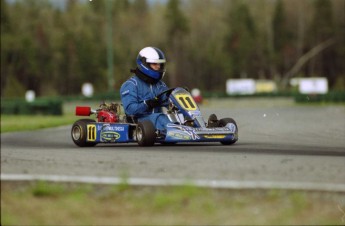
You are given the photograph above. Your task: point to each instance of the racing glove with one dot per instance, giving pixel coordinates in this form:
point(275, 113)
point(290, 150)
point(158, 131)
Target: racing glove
point(152, 103)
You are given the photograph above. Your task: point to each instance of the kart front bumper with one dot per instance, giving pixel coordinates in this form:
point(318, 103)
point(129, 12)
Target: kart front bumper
point(180, 133)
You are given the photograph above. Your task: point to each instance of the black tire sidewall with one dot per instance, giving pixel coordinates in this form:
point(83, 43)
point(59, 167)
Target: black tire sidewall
point(148, 133)
point(223, 122)
point(82, 124)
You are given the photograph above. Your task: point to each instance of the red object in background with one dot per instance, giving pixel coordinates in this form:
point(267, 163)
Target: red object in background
point(198, 99)
point(82, 111)
point(196, 94)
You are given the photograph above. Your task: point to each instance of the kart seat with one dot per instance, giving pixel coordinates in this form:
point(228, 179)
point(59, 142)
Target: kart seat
point(131, 119)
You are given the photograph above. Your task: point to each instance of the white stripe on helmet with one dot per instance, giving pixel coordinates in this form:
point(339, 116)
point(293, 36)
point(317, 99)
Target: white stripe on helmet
point(151, 55)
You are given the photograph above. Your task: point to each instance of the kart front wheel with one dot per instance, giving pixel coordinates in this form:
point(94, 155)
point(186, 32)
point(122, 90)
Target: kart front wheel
point(146, 133)
point(222, 123)
point(79, 133)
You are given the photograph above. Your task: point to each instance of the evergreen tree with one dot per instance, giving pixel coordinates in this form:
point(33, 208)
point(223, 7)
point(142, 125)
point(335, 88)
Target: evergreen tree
point(177, 29)
point(281, 39)
point(279, 26)
point(5, 56)
point(240, 39)
point(323, 29)
point(53, 50)
point(176, 21)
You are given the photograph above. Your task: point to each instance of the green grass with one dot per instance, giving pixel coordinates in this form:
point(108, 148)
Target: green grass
point(43, 203)
point(14, 123)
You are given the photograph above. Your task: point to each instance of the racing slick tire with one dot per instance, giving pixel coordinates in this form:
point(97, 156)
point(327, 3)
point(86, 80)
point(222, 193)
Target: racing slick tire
point(146, 133)
point(223, 122)
point(79, 133)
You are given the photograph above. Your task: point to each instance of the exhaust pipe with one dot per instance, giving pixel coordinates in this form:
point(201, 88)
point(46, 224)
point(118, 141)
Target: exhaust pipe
point(84, 111)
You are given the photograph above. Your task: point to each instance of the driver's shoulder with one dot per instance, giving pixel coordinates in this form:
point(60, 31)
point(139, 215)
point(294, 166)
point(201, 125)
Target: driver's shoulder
point(131, 82)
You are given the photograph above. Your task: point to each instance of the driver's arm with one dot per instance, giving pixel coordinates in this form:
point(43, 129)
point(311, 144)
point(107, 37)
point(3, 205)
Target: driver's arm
point(131, 103)
point(164, 99)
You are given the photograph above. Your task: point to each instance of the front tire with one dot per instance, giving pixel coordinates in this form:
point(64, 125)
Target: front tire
point(146, 133)
point(79, 133)
point(222, 123)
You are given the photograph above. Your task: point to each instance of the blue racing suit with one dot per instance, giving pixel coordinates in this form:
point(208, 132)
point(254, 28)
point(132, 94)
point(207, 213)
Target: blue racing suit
point(133, 94)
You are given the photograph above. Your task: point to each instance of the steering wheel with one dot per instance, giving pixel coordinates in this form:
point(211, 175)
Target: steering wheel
point(167, 92)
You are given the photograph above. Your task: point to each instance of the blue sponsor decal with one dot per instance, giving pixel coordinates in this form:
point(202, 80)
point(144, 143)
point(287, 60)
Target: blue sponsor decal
point(179, 136)
point(109, 136)
point(109, 127)
point(184, 132)
point(110, 132)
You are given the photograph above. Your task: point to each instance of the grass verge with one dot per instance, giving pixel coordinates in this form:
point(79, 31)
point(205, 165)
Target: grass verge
point(43, 203)
point(15, 123)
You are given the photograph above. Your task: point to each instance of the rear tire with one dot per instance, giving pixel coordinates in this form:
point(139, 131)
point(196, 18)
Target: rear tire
point(146, 133)
point(222, 123)
point(79, 133)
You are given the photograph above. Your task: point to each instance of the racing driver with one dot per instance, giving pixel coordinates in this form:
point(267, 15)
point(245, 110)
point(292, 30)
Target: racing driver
point(138, 93)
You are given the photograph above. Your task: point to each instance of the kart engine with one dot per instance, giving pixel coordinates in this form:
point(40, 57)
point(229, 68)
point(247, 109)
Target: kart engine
point(105, 112)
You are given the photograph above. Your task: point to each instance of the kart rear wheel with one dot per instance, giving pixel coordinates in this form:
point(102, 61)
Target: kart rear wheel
point(146, 133)
point(222, 123)
point(79, 133)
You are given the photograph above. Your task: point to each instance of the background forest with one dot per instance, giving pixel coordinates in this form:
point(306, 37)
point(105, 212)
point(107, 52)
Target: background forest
point(54, 50)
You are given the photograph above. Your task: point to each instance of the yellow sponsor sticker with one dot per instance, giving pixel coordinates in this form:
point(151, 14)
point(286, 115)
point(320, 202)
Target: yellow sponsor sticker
point(91, 133)
point(215, 136)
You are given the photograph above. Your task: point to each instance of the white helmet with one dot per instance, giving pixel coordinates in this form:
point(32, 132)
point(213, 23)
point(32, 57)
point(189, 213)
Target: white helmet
point(151, 55)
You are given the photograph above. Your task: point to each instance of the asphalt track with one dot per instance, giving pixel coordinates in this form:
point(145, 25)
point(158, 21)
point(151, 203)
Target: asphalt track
point(280, 145)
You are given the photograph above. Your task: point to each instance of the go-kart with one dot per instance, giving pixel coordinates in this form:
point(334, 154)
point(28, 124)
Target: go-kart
point(187, 124)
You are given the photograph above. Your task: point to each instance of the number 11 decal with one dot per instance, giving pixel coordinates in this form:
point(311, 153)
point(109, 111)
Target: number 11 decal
point(186, 101)
point(91, 132)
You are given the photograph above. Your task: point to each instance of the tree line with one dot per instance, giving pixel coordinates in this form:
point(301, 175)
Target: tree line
point(53, 51)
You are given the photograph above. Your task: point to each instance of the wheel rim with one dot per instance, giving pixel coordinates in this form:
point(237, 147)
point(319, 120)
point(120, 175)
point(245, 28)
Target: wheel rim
point(76, 133)
point(139, 134)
